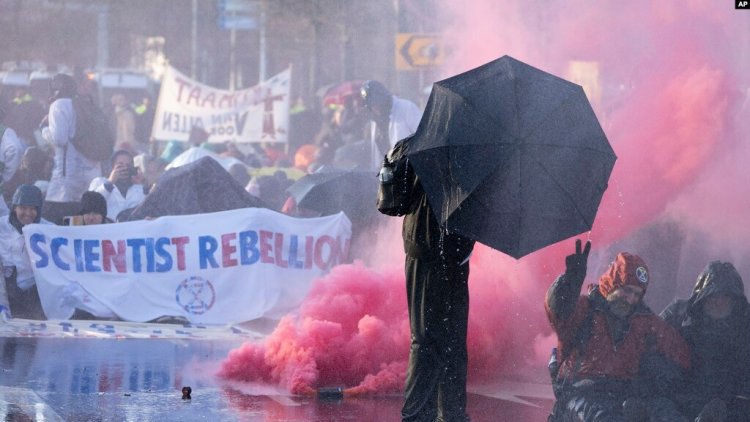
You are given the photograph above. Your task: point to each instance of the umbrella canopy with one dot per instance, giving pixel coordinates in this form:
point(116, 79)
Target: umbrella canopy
point(511, 156)
point(199, 187)
point(329, 192)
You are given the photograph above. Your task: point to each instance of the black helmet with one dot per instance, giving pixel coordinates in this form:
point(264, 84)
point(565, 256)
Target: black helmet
point(62, 86)
point(93, 202)
point(28, 195)
point(375, 95)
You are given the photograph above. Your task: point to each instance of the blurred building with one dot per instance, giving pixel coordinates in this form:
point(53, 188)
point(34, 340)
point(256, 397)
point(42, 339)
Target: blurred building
point(325, 41)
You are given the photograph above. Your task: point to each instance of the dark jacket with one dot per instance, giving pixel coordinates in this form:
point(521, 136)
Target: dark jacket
point(721, 349)
point(424, 239)
point(609, 352)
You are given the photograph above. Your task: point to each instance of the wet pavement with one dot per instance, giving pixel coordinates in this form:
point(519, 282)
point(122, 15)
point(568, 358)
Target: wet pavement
point(98, 371)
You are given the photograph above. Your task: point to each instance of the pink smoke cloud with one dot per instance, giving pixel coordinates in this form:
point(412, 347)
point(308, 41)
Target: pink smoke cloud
point(351, 331)
point(670, 90)
point(669, 93)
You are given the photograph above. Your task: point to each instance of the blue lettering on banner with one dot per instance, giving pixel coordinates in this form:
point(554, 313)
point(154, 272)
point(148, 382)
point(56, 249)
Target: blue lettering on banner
point(249, 253)
point(149, 254)
point(240, 122)
point(90, 257)
point(293, 262)
point(77, 247)
point(55, 251)
point(207, 245)
point(159, 246)
point(136, 245)
point(34, 241)
point(163, 254)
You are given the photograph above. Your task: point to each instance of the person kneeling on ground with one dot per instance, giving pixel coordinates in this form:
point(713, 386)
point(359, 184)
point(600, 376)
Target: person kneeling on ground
point(94, 208)
point(603, 338)
point(715, 321)
point(26, 208)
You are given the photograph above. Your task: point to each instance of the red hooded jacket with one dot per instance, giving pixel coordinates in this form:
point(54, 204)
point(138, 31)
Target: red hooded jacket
point(599, 356)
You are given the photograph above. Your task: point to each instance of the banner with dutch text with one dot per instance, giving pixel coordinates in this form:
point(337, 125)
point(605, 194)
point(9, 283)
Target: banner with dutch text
point(217, 268)
point(257, 114)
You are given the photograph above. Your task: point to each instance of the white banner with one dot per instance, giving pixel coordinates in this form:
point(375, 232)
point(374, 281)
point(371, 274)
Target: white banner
point(217, 268)
point(257, 114)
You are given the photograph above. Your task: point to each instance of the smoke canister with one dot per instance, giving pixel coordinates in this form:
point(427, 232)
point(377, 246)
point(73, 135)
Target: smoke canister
point(330, 393)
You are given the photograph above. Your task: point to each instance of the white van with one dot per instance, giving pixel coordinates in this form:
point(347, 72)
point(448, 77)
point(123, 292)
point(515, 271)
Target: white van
point(11, 82)
point(133, 84)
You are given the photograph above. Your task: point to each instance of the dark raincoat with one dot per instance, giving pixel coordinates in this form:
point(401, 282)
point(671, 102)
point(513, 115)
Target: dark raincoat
point(437, 272)
point(600, 363)
point(721, 349)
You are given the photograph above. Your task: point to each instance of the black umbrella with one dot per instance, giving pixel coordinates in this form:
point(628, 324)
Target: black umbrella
point(330, 192)
point(199, 187)
point(511, 156)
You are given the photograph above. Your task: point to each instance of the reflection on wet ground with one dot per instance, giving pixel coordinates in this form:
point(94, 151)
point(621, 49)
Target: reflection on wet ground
point(48, 377)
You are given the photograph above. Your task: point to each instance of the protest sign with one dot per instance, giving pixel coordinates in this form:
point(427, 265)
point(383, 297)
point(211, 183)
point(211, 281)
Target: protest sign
point(216, 268)
point(257, 114)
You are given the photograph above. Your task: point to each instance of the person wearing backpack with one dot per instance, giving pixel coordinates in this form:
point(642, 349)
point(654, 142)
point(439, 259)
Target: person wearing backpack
point(437, 291)
point(72, 171)
point(604, 341)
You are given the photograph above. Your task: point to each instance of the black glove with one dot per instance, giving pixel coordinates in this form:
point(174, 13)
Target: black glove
point(575, 264)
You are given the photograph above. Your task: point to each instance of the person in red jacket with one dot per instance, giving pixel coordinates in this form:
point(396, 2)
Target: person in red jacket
point(604, 339)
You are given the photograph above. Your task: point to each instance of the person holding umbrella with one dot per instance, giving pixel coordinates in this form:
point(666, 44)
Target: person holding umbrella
point(506, 155)
point(606, 339)
point(437, 291)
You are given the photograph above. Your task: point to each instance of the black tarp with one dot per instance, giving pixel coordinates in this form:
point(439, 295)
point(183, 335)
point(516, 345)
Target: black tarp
point(202, 186)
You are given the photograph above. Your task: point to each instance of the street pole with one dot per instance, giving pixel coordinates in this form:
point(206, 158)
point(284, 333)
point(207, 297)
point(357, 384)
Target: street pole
point(262, 43)
point(194, 41)
point(232, 58)
point(102, 36)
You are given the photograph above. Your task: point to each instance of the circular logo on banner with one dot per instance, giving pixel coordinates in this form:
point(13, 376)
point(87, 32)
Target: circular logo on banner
point(641, 274)
point(195, 295)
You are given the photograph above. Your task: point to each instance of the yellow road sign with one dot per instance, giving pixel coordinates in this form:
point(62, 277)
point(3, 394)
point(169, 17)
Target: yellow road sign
point(418, 51)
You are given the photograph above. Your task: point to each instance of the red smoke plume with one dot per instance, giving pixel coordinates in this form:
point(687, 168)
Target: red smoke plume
point(670, 90)
point(352, 331)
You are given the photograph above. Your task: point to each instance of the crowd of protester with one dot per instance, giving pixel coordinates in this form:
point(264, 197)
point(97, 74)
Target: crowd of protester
point(44, 178)
point(616, 360)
